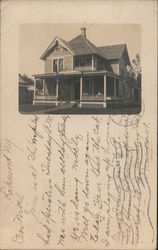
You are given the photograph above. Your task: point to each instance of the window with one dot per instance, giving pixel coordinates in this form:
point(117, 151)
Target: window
point(55, 65)
point(86, 61)
point(82, 62)
point(60, 64)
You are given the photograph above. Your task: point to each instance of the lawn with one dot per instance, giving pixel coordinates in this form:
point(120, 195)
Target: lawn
point(48, 109)
point(29, 108)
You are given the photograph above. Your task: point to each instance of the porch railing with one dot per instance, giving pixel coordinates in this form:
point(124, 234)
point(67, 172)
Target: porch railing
point(93, 97)
point(83, 68)
point(45, 98)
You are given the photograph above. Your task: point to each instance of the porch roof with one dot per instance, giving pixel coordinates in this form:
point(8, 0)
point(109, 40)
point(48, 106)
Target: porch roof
point(77, 73)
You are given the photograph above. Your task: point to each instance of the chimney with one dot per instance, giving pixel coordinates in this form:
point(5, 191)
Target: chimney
point(83, 32)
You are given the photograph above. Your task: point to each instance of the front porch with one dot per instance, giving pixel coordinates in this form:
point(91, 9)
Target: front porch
point(82, 89)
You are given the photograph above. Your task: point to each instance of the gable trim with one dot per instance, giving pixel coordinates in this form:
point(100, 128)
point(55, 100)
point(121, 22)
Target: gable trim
point(43, 57)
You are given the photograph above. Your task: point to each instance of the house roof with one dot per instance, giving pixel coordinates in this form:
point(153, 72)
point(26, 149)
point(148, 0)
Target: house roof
point(21, 79)
point(82, 46)
point(75, 72)
point(24, 81)
point(116, 51)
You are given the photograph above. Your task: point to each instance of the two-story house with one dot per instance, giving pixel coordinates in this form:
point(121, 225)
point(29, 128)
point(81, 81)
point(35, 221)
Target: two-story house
point(79, 72)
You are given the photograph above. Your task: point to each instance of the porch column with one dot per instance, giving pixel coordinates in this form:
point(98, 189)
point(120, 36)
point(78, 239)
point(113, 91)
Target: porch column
point(81, 82)
point(34, 97)
point(104, 105)
point(115, 87)
point(57, 90)
point(92, 62)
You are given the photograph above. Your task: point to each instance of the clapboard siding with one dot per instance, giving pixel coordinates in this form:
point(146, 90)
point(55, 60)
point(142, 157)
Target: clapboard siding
point(67, 60)
point(122, 67)
point(48, 66)
point(68, 63)
point(115, 66)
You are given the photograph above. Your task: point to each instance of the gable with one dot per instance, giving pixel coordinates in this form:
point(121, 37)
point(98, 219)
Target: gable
point(58, 45)
point(58, 51)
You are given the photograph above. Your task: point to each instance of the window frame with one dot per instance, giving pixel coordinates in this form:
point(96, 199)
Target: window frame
point(55, 70)
point(83, 61)
point(58, 64)
point(61, 60)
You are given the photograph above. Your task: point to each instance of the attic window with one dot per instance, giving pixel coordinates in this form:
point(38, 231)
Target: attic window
point(57, 49)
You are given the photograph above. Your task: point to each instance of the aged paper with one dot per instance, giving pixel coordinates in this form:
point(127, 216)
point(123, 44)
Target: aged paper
point(81, 181)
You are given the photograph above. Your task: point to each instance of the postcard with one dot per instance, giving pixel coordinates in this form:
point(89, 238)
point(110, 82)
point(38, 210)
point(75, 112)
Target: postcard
point(78, 125)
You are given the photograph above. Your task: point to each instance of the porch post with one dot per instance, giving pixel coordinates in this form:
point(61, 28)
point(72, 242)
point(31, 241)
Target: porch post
point(57, 90)
point(81, 82)
point(104, 105)
point(34, 97)
point(92, 62)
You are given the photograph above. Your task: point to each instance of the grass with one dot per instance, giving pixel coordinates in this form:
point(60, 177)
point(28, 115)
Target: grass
point(29, 108)
point(48, 109)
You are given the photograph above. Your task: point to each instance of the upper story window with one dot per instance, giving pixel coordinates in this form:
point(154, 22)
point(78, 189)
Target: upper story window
point(80, 62)
point(60, 64)
point(57, 64)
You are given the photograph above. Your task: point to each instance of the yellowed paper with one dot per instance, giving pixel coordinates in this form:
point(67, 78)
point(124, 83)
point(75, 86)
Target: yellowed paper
point(77, 181)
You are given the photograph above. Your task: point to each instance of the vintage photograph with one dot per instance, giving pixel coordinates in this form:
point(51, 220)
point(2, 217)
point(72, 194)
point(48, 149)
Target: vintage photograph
point(78, 158)
point(80, 69)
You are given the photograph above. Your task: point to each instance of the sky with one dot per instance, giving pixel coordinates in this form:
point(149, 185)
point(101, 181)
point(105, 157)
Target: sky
point(34, 38)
